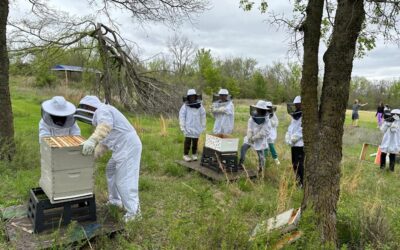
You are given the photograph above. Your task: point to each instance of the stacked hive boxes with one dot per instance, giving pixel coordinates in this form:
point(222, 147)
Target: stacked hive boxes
point(65, 173)
point(220, 153)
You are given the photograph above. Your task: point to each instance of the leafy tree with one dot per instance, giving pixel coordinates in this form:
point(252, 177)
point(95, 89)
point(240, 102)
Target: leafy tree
point(345, 28)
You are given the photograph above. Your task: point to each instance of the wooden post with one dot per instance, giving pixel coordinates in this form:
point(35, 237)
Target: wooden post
point(364, 151)
point(66, 78)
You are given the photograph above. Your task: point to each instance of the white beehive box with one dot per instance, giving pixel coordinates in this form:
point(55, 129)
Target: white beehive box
point(222, 143)
point(65, 173)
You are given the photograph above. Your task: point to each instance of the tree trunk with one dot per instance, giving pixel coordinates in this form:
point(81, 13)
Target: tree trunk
point(324, 140)
point(7, 148)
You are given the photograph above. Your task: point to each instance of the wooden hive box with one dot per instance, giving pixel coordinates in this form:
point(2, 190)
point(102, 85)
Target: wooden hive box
point(222, 143)
point(65, 173)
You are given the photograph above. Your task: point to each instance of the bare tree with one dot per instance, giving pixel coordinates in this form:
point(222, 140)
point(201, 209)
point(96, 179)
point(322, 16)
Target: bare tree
point(122, 72)
point(183, 50)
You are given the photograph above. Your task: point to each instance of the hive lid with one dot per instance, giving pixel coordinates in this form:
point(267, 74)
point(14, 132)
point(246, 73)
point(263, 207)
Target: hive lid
point(64, 141)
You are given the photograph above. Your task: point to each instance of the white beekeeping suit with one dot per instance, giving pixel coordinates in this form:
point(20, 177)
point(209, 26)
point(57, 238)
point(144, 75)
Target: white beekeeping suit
point(391, 139)
point(274, 125)
point(224, 112)
point(116, 133)
point(258, 134)
point(192, 118)
point(57, 118)
point(294, 135)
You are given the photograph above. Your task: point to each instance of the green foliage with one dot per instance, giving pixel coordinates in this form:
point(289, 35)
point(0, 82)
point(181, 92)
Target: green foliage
point(247, 5)
point(183, 210)
point(210, 73)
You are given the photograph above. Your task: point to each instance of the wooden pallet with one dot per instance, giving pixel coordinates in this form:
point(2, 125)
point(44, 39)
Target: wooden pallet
point(214, 175)
point(20, 234)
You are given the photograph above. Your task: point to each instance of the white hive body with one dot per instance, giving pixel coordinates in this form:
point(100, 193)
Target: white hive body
point(65, 173)
point(222, 143)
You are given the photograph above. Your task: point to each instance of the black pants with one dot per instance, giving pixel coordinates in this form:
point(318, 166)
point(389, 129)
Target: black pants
point(298, 163)
point(190, 141)
point(392, 160)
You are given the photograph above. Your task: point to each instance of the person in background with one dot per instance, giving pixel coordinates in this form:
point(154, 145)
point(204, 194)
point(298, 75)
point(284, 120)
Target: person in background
point(391, 139)
point(258, 132)
point(273, 135)
point(58, 118)
point(224, 112)
point(192, 121)
point(354, 115)
point(294, 138)
point(379, 114)
point(114, 132)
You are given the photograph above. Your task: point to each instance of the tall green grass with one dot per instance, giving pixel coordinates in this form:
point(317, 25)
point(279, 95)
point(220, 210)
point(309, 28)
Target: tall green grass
point(182, 210)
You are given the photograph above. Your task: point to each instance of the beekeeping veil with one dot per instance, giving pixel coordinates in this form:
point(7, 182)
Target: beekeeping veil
point(259, 112)
point(86, 108)
point(57, 112)
point(271, 108)
point(294, 109)
point(222, 93)
point(192, 99)
point(386, 112)
point(394, 115)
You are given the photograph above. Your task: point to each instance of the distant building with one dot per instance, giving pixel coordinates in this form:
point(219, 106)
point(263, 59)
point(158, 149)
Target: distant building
point(74, 72)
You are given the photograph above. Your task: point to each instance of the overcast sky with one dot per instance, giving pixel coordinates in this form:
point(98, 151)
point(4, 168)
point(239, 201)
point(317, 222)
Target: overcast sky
point(230, 32)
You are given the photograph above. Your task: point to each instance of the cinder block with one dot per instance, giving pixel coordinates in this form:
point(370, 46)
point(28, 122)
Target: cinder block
point(65, 173)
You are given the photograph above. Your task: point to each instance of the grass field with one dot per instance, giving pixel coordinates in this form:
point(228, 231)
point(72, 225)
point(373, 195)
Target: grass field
point(182, 210)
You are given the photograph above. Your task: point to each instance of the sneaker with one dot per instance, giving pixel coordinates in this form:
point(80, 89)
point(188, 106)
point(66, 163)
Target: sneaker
point(187, 158)
point(277, 162)
point(194, 157)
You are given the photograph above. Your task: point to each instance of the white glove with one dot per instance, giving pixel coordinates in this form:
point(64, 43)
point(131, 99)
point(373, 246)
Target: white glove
point(100, 150)
point(183, 129)
point(294, 139)
point(222, 110)
point(257, 136)
point(250, 140)
point(88, 146)
point(396, 117)
point(287, 139)
point(219, 110)
point(101, 132)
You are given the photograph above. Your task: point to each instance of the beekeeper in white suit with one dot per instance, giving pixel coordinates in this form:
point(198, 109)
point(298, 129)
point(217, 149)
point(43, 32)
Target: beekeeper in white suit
point(58, 118)
point(294, 138)
point(223, 111)
point(273, 134)
point(258, 131)
point(114, 132)
point(192, 121)
point(391, 139)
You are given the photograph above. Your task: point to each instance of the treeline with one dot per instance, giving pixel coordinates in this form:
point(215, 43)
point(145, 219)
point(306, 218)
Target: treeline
point(188, 66)
point(374, 92)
